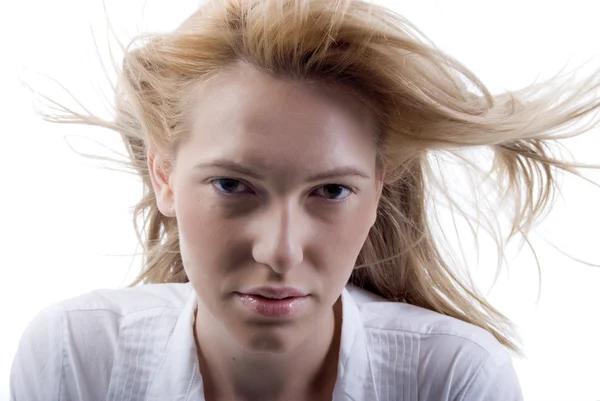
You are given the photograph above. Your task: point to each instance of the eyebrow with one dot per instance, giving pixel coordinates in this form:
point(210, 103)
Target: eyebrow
point(241, 169)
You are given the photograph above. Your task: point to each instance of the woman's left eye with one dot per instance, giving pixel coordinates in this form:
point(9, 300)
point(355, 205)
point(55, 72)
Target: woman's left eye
point(335, 191)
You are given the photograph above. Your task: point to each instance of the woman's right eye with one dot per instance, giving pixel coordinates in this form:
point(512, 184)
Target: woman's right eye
point(229, 185)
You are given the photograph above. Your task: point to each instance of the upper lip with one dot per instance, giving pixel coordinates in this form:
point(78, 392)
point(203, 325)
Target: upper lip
point(275, 293)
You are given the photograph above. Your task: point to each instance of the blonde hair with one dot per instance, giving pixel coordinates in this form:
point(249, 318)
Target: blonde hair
point(425, 103)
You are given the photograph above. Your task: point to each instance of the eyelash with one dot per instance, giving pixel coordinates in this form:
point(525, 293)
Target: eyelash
point(216, 180)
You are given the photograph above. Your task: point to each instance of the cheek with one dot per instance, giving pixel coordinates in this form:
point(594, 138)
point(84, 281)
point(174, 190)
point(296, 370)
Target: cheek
point(352, 230)
point(343, 240)
point(203, 238)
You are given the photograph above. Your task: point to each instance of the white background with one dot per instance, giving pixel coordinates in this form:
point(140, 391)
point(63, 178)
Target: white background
point(66, 224)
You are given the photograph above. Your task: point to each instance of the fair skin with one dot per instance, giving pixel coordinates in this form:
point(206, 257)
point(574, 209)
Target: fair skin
point(270, 226)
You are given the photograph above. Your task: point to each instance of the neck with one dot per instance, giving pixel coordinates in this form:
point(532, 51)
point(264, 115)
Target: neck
point(307, 372)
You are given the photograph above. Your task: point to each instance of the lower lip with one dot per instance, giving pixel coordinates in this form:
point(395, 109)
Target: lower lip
point(273, 308)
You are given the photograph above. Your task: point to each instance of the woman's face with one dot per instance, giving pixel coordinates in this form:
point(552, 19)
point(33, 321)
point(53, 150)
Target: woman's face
point(275, 187)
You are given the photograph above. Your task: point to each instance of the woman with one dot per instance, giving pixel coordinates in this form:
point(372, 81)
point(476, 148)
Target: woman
point(284, 148)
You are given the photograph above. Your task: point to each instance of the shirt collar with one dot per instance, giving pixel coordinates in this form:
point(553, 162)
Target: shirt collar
point(355, 380)
point(178, 377)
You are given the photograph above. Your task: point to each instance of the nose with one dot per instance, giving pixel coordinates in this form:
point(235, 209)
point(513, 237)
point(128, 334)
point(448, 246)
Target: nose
point(278, 242)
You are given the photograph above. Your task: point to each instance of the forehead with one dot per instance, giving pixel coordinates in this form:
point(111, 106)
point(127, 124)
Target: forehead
point(255, 118)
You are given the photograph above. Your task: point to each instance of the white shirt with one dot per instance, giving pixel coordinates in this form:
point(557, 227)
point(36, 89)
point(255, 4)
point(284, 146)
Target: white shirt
point(137, 344)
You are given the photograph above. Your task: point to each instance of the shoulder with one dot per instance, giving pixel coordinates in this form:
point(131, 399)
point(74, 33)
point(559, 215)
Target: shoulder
point(102, 319)
point(428, 326)
point(100, 326)
point(448, 357)
point(127, 301)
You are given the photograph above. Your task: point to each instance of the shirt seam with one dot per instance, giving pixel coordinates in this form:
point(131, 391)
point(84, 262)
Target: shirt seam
point(435, 334)
point(63, 356)
point(469, 385)
point(152, 387)
point(192, 381)
point(123, 314)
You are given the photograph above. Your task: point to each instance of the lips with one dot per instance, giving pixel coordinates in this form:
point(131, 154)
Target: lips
point(275, 293)
point(273, 302)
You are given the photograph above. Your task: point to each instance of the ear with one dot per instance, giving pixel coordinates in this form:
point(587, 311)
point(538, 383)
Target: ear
point(162, 189)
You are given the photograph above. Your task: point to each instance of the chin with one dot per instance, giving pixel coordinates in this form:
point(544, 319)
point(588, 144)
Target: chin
point(269, 340)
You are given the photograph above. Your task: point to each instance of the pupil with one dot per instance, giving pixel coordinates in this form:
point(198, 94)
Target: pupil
point(332, 190)
point(229, 185)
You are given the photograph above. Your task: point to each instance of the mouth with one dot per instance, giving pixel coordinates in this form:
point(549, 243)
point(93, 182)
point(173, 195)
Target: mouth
point(273, 302)
point(275, 293)
point(261, 297)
